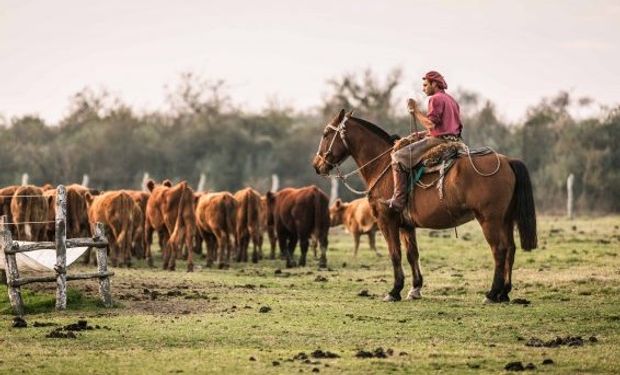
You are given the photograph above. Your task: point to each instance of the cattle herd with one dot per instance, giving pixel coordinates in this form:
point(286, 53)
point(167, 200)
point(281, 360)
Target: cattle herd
point(183, 219)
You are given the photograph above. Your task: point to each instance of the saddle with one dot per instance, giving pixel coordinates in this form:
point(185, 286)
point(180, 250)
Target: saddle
point(440, 159)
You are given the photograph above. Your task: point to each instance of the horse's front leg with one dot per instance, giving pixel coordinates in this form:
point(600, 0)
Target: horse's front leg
point(413, 257)
point(390, 232)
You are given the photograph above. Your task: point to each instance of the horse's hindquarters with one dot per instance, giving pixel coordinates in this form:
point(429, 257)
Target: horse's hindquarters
point(465, 194)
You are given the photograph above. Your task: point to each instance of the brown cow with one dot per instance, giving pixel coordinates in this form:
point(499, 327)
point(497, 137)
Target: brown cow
point(248, 226)
point(266, 225)
point(29, 205)
point(170, 212)
point(297, 215)
point(215, 219)
point(77, 213)
point(6, 195)
point(115, 209)
point(139, 239)
point(357, 219)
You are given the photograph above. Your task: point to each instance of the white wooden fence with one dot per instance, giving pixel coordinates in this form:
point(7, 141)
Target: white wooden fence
point(10, 248)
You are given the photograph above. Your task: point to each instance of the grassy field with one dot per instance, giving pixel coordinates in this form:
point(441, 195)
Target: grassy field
point(210, 321)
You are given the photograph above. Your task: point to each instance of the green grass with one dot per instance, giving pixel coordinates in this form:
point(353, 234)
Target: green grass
point(211, 322)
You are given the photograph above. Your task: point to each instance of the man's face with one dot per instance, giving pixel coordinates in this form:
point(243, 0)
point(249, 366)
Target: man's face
point(429, 87)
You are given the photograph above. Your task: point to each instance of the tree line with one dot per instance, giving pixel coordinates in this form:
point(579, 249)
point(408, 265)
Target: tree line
point(204, 132)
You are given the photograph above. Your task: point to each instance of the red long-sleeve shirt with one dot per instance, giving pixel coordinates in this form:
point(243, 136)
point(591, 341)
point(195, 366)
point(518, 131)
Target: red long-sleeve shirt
point(444, 112)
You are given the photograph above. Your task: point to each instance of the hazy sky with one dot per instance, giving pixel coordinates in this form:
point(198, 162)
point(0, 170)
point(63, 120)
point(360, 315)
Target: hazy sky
point(512, 52)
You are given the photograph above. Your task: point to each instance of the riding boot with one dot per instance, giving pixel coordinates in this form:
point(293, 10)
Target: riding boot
point(399, 198)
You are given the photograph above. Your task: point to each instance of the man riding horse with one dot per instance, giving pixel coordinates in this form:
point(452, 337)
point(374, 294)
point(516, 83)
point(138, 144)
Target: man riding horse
point(443, 124)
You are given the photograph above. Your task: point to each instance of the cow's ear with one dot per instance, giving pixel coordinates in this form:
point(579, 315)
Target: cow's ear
point(167, 183)
point(338, 203)
point(150, 185)
point(89, 197)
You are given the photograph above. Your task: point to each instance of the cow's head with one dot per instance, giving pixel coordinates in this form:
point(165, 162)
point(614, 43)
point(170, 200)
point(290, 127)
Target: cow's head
point(336, 213)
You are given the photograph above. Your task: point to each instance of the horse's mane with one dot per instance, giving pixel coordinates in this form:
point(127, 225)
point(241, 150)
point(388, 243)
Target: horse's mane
point(375, 129)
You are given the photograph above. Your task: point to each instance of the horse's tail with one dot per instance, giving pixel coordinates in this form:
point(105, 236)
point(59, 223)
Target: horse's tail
point(524, 208)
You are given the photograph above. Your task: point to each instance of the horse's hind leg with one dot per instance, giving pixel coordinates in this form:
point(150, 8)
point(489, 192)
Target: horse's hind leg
point(408, 239)
point(510, 258)
point(495, 234)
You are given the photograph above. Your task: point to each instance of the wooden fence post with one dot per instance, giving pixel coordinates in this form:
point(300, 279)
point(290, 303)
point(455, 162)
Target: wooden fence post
point(569, 200)
point(102, 267)
point(10, 262)
point(333, 194)
point(275, 183)
point(61, 248)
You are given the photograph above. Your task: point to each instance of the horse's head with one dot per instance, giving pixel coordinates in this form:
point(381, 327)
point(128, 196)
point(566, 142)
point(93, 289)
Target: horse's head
point(333, 148)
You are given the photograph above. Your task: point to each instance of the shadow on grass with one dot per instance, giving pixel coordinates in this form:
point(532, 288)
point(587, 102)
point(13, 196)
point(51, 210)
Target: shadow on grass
point(36, 303)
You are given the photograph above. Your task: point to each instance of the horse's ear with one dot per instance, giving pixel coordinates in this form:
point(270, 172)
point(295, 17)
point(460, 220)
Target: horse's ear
point(341, 115)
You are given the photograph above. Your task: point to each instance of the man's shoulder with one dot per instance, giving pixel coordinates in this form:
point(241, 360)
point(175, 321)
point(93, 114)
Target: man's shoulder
point(442, 96)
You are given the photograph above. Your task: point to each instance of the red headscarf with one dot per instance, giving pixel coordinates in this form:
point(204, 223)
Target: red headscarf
point(434, 76)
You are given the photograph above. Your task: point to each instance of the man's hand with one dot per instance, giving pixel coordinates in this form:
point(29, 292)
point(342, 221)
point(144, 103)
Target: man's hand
point(412, 106)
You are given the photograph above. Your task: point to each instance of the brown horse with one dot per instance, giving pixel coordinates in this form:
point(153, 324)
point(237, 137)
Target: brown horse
point(497, 202)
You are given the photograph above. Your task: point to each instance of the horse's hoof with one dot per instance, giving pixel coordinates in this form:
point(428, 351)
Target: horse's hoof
point(390, 298)
point(414, 293)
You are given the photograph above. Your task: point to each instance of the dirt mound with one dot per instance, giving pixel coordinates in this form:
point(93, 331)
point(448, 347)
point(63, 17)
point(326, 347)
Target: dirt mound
point(559, 341)
point(323, 354)
point(518, 366)
point(377, 353)
point(81, 325)
point(19, 322)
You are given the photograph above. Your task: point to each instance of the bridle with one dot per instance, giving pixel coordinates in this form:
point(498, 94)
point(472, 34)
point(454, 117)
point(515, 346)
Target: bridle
point(341, 131)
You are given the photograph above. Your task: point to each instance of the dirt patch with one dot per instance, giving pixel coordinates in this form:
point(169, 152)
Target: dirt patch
point(364, 293)
point(323, 354)
point(264, 309)
point(19, 322)
point(377, 353)
point(518, 366)
point(559, 341)
point(321, 279)
point(81, 325)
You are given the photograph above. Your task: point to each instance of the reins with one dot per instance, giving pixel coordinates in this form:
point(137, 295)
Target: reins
point(340, 130)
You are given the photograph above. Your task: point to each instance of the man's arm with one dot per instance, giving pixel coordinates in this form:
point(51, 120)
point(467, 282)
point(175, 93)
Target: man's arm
point(420, 117)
